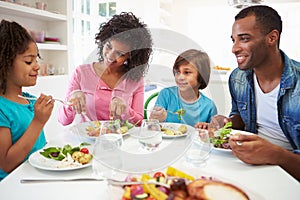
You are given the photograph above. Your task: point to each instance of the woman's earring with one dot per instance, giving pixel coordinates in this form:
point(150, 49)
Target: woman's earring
point(126, 62)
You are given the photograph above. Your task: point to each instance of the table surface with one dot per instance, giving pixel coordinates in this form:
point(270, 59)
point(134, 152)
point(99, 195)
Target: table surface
point(260, 182)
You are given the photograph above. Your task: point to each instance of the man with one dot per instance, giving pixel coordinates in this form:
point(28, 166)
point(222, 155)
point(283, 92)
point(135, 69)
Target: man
point(265, 92)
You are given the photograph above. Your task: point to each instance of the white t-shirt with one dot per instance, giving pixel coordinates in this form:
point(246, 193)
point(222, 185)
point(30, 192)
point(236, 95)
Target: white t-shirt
point(267, 116)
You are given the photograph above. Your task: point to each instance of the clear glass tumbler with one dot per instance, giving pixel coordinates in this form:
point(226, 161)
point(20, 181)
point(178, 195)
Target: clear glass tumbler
point(107, 149)
point(150, 135)
point(200, 149)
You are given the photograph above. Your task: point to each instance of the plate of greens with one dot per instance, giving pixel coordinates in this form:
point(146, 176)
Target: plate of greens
point(220, 140)
point(62, 158)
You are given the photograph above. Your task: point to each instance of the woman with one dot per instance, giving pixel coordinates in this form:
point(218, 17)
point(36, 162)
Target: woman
point(113, 87)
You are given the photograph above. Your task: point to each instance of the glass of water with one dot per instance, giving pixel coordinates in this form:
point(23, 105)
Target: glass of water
point(150, 134)
point(200, 148)
point(106, 151)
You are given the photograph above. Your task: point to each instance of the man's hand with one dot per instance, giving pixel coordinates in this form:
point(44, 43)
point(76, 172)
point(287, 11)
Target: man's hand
point(253, 149)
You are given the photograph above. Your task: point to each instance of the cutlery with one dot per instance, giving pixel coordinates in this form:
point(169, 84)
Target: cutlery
point(109, 181)
point(34, 98)
point(123, 183)
point(59, 180)
point(86, 118)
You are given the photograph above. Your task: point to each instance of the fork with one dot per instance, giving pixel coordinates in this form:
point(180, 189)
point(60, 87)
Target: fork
point(109, 181)
point(34, 98)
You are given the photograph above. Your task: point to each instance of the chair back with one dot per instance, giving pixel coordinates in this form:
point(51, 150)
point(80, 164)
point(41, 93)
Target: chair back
point(150, 98)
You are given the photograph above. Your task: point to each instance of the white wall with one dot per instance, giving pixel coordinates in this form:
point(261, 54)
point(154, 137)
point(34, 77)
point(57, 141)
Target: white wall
point(209, 23)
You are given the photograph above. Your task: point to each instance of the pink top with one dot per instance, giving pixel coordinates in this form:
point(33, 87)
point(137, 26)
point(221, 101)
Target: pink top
point(99, 95)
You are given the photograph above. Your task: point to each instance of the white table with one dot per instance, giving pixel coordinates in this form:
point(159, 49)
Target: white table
point(265, 182)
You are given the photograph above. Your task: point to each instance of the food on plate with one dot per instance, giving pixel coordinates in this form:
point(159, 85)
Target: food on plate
point(217, 67)
point(180, 186)
point(221, 137)
point(203, 189)
point(146, 191)
point(81, 157)
point(124, 125)
point(94, 129)
point(171, 171)
point(182, 129)
point(68, 155)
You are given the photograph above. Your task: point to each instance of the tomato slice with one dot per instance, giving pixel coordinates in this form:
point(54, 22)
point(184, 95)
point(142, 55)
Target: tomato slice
point(159, 174)
point(84, 150)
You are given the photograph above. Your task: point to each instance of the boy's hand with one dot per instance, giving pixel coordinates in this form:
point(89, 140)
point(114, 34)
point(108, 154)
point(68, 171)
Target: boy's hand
point(158, 113)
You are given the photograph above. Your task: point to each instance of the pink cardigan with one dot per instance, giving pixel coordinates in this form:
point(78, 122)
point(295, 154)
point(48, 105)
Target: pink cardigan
point(98, 96)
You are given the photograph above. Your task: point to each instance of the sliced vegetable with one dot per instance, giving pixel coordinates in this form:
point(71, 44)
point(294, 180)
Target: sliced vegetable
point(136, 190)
point(140, 196)
point(154, 192)
point(84, 150)
point(159, 174)
point(171, 171)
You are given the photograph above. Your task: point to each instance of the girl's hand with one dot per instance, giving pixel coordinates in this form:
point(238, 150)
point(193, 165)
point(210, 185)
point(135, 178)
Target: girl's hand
point(78, 102)
point(159, 113)
point(43, 108)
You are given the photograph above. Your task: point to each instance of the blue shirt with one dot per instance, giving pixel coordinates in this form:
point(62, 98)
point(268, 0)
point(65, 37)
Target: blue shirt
point(241, 87)
point(17, 118)
point(201, 110)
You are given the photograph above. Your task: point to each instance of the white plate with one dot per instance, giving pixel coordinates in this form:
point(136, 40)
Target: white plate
point(232, 133)
point(174, 126)
point(117, 191)
point(80, 129)
point(40, 162)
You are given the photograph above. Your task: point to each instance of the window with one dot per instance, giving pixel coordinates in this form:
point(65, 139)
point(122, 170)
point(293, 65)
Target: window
point(107, 9)
point(87, 16)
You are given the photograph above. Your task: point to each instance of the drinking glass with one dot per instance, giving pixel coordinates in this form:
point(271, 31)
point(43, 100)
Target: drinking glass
point(107, 149)
point(150, 134)
point(200, 148)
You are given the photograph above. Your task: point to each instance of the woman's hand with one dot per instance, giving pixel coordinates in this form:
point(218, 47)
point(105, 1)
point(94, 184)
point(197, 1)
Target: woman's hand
point(78, 102)
point(159, 113)
point(117, 107)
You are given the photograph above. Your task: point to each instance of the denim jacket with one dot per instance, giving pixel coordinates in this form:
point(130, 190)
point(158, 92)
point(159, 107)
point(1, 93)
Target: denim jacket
point(241, 87)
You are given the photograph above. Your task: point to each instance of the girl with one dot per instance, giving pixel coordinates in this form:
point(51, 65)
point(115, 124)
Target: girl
point(21, 120)
point(192, 72)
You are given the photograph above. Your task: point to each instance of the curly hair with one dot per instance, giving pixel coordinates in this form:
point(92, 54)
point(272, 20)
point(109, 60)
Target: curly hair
point(266, 17)
point(14, 40)
point(128, 29)
point(200, 60)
